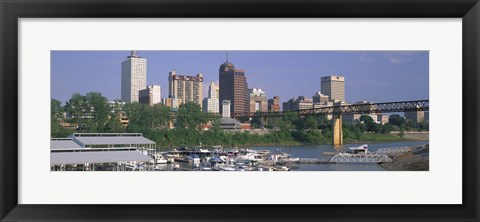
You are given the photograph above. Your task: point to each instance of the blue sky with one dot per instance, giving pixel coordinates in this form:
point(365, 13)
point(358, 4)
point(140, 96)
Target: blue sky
point(377, 76)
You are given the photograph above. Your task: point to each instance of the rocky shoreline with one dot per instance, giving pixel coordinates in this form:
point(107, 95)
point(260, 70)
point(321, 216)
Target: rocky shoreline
point(415, 160)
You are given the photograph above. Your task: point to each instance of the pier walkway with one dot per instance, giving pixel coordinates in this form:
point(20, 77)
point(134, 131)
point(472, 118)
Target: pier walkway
point(393, 150)
point(360, 158)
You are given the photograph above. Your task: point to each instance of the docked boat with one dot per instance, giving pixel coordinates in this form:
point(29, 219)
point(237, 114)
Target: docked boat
point(160, 159)
point(282, 168)
point(359, 150)
point(194, 159)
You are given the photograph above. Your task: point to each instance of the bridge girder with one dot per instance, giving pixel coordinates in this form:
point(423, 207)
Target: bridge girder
point(388, 107)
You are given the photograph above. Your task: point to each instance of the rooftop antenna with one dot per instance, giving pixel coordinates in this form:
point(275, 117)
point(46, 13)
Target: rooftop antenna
point(227, 55)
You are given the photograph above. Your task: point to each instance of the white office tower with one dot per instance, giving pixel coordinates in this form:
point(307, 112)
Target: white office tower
point(226, 108)
point(333, 87)
point(134, 77)
point(210, 104)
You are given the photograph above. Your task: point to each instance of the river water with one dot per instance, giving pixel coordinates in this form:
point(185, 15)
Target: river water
point(316, 151)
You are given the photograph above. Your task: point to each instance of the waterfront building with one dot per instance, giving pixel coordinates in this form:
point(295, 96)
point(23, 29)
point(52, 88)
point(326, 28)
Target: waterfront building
point(304, 103)
point(227, 123)
point(226, 108)
point(234, 87)
point(353, 118)
point(134, 77)
point(382, 119)
point(415, 116)
point(186, 88)
point(258, 100)
point(299, 103)
point(211, 104)
point(151, 95)
point(319, 98)
point(333, 87)
point(274, 104)
point(99, 151)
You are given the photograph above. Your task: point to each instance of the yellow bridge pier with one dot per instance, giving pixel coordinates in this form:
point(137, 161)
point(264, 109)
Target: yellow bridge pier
point(337, 138)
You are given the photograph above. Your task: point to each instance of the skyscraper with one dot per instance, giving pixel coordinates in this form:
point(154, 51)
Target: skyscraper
point(186, 88)
point(211, 104)
point(233, 87)
point(151, 95)
point(134, 77)
point(333, 87)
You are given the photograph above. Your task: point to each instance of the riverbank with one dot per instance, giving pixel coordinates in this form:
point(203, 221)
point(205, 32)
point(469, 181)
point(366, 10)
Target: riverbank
point(415, 160)
point(413, 135)
point(370, 138)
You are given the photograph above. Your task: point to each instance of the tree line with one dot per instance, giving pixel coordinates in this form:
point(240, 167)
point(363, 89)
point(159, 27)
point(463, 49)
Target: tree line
point(93, 113)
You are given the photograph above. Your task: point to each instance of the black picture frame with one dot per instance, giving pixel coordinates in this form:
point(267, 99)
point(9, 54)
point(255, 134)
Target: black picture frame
point(11, 11)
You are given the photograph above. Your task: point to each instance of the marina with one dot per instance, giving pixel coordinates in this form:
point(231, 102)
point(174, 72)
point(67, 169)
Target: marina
point(133, 152)
point(298, 158)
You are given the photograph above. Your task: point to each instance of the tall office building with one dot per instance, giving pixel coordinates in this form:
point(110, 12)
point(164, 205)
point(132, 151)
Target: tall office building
point(258, 100)
point(151, 95)
point(186, 88)
point(233, 87)
point(211, 104)
point(333, 87)
point(274, 104)
point(134, 77)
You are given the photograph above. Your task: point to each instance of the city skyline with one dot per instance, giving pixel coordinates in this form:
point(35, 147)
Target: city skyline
point(376, 76)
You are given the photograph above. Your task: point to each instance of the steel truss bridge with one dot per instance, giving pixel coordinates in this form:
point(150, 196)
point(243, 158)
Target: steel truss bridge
point(338, 111)
point(367, 108)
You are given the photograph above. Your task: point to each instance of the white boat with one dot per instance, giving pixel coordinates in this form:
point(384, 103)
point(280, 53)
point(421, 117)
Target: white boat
point(194, 159)
point(227, 168)
point(160, 159)
point(362, 149)
point(282, 168)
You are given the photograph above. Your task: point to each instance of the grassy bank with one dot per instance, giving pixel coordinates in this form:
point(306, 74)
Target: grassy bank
point(375, 138)
point(322, 140)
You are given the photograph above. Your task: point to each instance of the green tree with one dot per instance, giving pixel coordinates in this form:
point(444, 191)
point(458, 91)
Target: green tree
point(369, 123)
point(113, 124)
point(56, 116)
point(190, 116)
point(134, 112)
point(161, 115)
point(56, 109)
point(396, 120)
point(311, 123)
point(99, 110)
point(256, 121)
point(77, 108)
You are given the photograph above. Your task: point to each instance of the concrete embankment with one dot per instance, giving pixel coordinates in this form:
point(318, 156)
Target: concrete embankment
point(415, 160)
